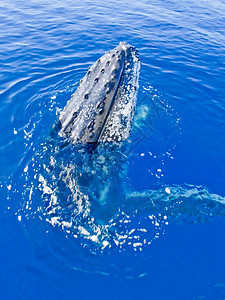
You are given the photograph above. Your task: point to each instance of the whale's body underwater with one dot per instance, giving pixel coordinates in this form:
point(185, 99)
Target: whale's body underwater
point(89, 193)
point(102, 107)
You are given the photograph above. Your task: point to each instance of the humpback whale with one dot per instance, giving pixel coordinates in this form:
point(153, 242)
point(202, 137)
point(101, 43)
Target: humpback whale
point(102, 107)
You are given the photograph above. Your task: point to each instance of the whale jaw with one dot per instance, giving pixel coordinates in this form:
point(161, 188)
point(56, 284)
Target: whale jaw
point(103, 105)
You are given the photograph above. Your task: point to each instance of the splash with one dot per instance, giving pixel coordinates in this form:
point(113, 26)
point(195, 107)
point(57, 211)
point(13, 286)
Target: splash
point(91, 197)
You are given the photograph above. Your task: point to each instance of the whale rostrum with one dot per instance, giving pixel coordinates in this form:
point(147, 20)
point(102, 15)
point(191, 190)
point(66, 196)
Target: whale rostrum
point(102, 107)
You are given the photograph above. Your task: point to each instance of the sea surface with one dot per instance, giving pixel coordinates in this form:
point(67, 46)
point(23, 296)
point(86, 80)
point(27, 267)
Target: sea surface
point(141, 220)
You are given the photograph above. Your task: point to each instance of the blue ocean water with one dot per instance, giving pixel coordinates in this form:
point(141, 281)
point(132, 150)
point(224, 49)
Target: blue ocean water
point(159, 232)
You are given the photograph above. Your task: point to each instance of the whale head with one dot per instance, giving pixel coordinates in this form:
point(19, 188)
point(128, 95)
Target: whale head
point(102, 107)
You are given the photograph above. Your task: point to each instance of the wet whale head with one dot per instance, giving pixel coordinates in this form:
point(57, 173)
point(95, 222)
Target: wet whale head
point(102, 107)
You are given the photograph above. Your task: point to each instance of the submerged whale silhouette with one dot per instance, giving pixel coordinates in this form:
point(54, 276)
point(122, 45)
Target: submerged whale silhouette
point(102, 107)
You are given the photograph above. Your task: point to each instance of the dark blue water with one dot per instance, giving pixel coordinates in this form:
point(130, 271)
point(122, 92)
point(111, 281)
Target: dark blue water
point(159, 231)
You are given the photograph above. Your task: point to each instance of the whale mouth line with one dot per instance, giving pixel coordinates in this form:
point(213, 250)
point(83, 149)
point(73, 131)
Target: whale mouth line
point(105, 98)
point(111, 105)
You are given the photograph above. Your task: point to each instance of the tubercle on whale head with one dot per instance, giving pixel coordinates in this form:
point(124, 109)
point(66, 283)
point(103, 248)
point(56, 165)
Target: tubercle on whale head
point(127, 47)
point(85, 119)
